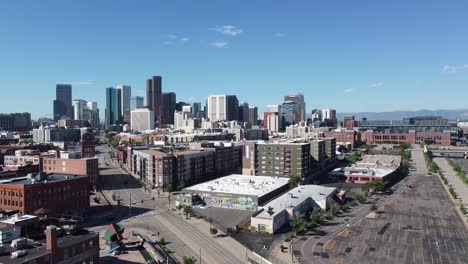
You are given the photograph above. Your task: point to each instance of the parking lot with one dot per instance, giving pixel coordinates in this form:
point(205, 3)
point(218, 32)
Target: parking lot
point(418, 226)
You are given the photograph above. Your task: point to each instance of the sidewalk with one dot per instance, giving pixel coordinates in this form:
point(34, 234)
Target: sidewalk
point(458, 185)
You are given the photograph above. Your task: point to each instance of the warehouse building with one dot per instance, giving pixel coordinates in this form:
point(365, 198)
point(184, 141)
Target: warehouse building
point(295, 203)
point(235, 191)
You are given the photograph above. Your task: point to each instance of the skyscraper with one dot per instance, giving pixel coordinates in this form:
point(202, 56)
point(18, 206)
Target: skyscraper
point(223, 107)
point(136, 102)
point(63, 101)
point(142, 119)
point(125, 93)
point(196, 108)
point(244, 112)
point(253, 116)
point(154, 97)
point(113, 106)
point(168, 108)
point(328, 113)
point(289, 113)
point(301, 105)
point(84, 110)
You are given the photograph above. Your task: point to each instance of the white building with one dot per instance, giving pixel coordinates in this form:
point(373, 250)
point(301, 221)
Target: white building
point(187, 109)
point(125, 93)
point(295, 203)
point(183, 121)
point(85, 110)
point(142, 119)
point(216, 107)
point(328, 113)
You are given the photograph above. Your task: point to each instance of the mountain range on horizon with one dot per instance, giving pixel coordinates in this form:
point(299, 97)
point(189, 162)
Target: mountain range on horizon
point(400, 114)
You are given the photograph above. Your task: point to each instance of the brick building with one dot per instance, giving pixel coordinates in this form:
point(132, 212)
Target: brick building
point(344, 136)
point(45, 194)
point(83, 167)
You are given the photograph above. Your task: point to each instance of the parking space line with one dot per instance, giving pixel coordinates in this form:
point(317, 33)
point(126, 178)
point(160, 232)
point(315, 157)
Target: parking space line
point(432, 259)
point(459, 261)
point(461, 243)
point(450, 259)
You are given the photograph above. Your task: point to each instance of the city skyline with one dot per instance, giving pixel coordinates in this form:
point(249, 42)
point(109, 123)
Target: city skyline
point(336, 55)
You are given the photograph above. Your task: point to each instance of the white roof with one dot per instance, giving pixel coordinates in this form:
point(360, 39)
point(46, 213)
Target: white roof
point(294, 198)
point(241, 184)
point(17, 218)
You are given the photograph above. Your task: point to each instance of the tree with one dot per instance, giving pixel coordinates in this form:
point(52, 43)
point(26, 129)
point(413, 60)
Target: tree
point(213, 231)
point(181, 185)
point(373, 208)
point(297, 225)
point(169, 188)
point(294, 181)
point(315, 217)
point(188, 211)
point(359, 197)
point(189, 260)
point(162, 241)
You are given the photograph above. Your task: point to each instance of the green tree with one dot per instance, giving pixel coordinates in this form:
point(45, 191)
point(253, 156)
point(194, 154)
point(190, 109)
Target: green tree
point(373, 208)
point(294, 181)
point(189, 260)
point(169, 188)
point(297, 225)
point(315, 217)
point(213, 231)
point(188, 210)
point(162, 241)
point(359, 197)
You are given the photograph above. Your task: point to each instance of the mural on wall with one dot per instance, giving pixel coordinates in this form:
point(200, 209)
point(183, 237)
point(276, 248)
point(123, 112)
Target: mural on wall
point(239, 203)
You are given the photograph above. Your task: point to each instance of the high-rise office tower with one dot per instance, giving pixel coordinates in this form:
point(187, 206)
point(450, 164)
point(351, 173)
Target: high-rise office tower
point(168, 108)
point(328, 113)
point(154, 98)
point(253, 116)
point(84, 110)
point(113, 106)
point(223, 107)
point(136, 102)
point(63, 101)
point(142, 119)
point(125, 93)
point(289, 113)
point(196, 108)
point(79, 107)
point(301, 105)
point(244, 112)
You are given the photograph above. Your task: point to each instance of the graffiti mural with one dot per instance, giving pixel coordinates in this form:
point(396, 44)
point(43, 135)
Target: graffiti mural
point(239, 203)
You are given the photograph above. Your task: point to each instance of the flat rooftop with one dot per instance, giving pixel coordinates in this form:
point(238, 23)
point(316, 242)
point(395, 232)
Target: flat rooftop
point(377, 166)
point(241, 185)
point(294, 198)
point(51, 178)
point(12, 220)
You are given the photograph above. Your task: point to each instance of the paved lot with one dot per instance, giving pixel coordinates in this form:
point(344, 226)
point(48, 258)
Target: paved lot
point(420, 225)
point(459, 186)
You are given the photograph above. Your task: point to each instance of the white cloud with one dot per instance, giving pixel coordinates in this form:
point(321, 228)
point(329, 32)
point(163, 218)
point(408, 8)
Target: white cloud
point(349, 90)
point(81, 83)
point(174, 39)
point(448, 69)
point(376, 85)
point(190, 99)
point(280, 35)
point(228, 30)
point(219, 44)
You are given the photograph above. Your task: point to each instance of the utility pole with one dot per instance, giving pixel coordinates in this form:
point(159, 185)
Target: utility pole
point(200, 256)
point(130, 206)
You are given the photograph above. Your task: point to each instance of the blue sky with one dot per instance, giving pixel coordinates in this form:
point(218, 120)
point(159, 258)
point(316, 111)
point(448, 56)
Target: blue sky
point(348, 55)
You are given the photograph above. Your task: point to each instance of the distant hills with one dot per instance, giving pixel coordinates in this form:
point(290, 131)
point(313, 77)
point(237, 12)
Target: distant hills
point(398, 115)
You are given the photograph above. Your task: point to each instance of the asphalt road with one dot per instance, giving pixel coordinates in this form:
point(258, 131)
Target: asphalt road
point(154, 216)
